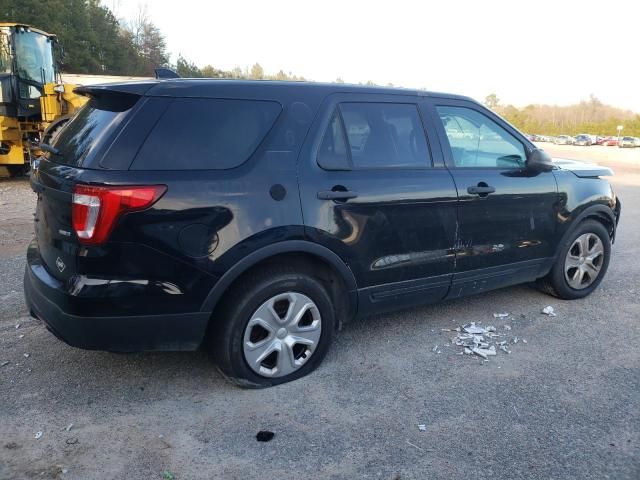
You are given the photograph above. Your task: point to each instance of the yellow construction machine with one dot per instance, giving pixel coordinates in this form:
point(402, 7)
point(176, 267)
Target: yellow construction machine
point(33, 99)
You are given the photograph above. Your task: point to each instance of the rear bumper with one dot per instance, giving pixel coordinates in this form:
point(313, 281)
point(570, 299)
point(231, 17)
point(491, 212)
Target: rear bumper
point(46, 295)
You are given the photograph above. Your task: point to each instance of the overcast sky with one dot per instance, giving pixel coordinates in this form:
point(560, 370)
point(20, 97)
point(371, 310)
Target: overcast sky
point(537, 51)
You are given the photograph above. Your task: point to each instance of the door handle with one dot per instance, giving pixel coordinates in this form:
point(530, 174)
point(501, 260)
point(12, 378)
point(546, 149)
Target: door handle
point(336, 195)
point(482, 190)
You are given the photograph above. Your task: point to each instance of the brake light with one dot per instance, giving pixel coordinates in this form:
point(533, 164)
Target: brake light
point(95, 209)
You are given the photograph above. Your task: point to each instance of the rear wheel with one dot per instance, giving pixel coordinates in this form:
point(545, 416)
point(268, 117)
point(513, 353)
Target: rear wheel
point(581, 263)
point(274, 327)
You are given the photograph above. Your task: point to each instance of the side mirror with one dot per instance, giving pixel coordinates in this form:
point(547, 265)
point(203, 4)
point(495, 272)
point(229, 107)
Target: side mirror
point(539, 161)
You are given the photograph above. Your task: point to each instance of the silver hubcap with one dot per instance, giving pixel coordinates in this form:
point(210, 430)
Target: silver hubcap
point(282, 334)
point(584, 261)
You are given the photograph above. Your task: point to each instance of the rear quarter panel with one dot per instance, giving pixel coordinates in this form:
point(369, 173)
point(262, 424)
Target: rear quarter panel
point(207, 220)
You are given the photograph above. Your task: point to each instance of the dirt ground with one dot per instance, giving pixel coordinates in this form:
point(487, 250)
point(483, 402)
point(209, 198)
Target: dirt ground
point(565, 404)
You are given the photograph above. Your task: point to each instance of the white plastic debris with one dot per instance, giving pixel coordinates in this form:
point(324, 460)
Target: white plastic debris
point(473, 329)
point(20, 336)
point(500, 315)
point(435, 349)
point(483, 340)
point(548, 310)
point(6, 362)
point(38, 435)
point(26, 355)
point(484, 352)
point(68, 427)
point(422, 427)
point(17, 326)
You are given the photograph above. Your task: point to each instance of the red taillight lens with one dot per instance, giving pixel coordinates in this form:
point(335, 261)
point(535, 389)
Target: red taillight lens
point(96, 209)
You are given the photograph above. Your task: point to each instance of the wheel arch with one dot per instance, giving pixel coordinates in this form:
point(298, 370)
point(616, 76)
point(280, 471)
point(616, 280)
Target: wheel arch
point(598, 212)
point(296, 248)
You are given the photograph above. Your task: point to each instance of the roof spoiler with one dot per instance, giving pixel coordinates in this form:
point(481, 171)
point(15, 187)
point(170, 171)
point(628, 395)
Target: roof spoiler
point(165, 73)
point(132, 88)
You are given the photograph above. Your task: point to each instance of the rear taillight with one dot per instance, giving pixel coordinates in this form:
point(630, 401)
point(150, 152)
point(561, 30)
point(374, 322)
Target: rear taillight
point(96, 209)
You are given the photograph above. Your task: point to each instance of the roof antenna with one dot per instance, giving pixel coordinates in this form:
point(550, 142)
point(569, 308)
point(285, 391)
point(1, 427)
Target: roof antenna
point(165, 73)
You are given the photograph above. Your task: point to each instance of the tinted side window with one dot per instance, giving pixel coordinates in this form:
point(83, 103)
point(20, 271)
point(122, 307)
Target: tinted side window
point(203, 134)
point(383, 135)
point(333, 150)
point(478, 141)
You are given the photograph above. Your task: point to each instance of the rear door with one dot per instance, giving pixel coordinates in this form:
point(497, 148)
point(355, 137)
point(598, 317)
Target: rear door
point(506, 213)
point(375, 192)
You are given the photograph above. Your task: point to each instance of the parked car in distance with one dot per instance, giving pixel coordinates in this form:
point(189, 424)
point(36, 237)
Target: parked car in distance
point(627, 142)
point(636, 141)
point(563, 140)
point(254, 218)
point(583, 140)
point(611, 142)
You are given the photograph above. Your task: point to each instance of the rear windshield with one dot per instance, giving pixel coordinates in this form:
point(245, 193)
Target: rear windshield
point(91, 129)
point(206, 134)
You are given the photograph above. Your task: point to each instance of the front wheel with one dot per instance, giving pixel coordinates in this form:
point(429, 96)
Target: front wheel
point(581, 264)
point(274, 327)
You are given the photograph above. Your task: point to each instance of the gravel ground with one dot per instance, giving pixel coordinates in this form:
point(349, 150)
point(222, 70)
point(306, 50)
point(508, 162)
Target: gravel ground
point(565, 404)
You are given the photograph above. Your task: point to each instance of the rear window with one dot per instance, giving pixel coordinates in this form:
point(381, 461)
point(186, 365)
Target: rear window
point(204, 134)
point(89, 132)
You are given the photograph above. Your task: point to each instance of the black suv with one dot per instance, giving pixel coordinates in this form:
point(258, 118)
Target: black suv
point(255, 217)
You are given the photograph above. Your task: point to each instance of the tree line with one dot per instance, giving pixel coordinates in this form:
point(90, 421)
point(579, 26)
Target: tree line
point(588, 116)
point(92, 40)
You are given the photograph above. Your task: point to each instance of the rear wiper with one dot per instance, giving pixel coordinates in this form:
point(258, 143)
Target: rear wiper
point(48, 148)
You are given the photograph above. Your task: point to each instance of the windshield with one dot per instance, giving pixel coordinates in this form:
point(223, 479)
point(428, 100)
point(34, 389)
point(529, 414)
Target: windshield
point(34, 61)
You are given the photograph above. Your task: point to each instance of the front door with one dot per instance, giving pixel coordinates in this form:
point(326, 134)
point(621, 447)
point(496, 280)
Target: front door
point(374, 192)
point(506, 213)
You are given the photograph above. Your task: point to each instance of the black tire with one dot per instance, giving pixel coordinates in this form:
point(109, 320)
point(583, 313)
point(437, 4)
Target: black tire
point(54, 129)
point(555, 283)
point(226, 335)
point(16, 171)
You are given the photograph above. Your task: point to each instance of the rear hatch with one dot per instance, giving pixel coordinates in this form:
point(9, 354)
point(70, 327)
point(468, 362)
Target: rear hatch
point(79, 146)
